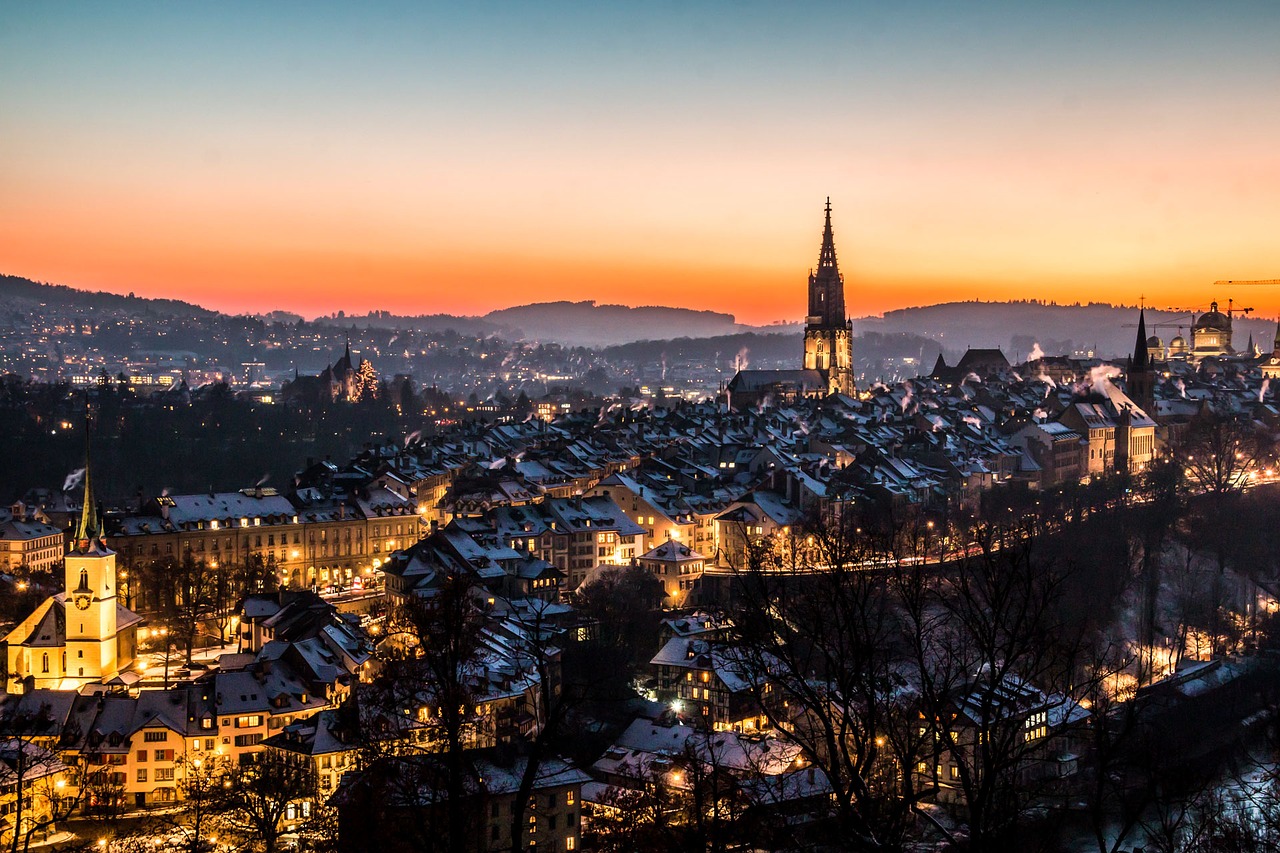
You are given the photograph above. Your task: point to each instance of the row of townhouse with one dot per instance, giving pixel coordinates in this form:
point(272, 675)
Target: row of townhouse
point(520, 550)
point(28, 543)
point(940, 439)
point(313, 539)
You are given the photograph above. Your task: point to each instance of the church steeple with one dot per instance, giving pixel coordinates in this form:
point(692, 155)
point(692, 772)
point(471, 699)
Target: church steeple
point(1140, 382)
point(1141, 355)
point(89, 529)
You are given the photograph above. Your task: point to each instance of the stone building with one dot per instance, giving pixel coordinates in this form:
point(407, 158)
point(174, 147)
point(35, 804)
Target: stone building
point(827, 367)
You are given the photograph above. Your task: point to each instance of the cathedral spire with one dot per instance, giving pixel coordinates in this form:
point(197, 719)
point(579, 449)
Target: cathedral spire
point(826, 287)
point(89, 528)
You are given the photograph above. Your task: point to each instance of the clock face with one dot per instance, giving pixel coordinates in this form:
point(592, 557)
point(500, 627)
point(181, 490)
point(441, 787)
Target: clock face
point(82, 602)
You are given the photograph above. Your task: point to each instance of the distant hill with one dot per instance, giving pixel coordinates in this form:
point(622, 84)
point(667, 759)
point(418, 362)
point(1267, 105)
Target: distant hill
point(1016, 327)
point(15, 290)
point(571, 323)
point(590, 324)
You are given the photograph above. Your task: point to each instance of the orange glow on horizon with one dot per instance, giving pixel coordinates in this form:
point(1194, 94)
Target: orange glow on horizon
point(420, 160)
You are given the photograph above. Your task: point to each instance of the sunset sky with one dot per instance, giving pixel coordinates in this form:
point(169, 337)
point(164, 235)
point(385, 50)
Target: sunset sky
point(463, 157)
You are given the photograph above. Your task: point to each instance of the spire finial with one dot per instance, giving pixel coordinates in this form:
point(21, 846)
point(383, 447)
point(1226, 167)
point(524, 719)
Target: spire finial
point(827, 257)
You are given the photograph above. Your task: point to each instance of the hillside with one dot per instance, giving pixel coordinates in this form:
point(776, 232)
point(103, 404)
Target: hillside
point(590, 324)
point(16, 291)
point(1016, 327)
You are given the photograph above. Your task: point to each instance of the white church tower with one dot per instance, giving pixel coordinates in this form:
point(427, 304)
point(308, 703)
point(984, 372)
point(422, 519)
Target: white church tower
point(91, 610)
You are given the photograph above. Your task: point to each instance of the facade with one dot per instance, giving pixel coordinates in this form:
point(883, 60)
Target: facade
point(1211, 334)
point(29, 545)
point(313, 539)
point(1057, 451)
point(657, 516)
point(712, 683)
point(138, 746)
point(1270, 365)
point(1119, 435)
point(678, 567)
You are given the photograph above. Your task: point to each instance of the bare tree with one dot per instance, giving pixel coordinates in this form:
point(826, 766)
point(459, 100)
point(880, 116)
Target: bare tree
point(257, 796)
point(996, 665)
point(822, 646)
point(35, 774)
point(422, 701)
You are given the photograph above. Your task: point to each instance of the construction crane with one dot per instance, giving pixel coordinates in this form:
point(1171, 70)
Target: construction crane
point(1232, 310)
point(1261, 282)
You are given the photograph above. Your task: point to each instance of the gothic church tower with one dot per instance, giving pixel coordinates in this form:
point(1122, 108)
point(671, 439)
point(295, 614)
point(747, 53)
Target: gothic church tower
point(828, 334)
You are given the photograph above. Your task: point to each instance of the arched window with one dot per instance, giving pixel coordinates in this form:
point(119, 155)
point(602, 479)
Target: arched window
point(45, 662)
point(84, 578)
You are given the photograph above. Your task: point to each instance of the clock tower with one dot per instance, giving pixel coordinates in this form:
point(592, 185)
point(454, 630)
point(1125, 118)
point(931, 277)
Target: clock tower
point(81, 635)
point(90, 598)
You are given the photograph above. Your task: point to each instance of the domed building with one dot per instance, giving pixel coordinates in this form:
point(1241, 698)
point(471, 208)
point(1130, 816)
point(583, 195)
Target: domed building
point(1270, 365)
point(1211, 334)
point(1155, 348)
point(1178, 347)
